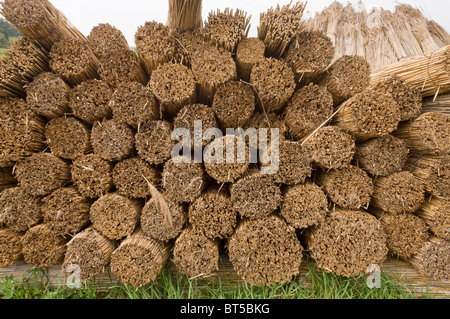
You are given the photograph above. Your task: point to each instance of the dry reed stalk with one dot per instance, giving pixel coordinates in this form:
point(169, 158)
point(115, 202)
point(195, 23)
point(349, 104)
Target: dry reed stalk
point(185, 15)
point(104, 39)
point(274, 83)
point(21, 131)
point(186, 44)
point(195, 255)
point(90, 251)
point(115, 216)
point(398, 193)
point(40, 20)
point(265, 252)
point(139, 259)
point(440, 104)
point(154, 142)
point(439, 34)
point(382, 156)
point(309, 55)
point(347, 242)
point(7, 178)
point(294, 165)
point(42, 173)
point(68, 137)
point(90, 101)
point(66, 211)
point(226, 29)
point(155, 45)
point(10, 247)
point(74, 61)
point(348, 187)
point(43, 247)
point(433, 259)
point(249, 52)
point(278, 27)
point(130, 177)
point(429, 72)
point(428, 134)
point(304, 205)
point(92, 175)
point(213, 214)
point(436, 213)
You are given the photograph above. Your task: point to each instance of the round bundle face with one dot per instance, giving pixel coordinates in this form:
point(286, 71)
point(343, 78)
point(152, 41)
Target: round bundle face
point(115, 216)
point(346, 243)
point(68, 137)
point(434, 259)
point(348, 187)
point(89, 101)
point(274, 83)
point(382, 156)
point(104, 38)
point(19, 210)
point(66, 211)
point(154, 141)
point(304, 205)
point(213, 215)
point(234, 103)
point(131, 177)
point(48, 95)
point(267, 121)
point(134, 104)
point(187, 43)
point(113, 140)
point(398, 193)
point(249, 52)
point(92, 175)
point(194, 255)
point(19, 13)
point(308, 108)
point(331, 147)
point(294, 165)
point(42, 173)
point(256, 196)
point(436, 213)
point(10, 247)
point(265, 251)
point(433, 171)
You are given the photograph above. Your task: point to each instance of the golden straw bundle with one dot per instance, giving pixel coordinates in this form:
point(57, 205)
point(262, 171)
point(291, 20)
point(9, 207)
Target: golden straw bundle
point(185, 15)
point(436, 213)
point(433, 259)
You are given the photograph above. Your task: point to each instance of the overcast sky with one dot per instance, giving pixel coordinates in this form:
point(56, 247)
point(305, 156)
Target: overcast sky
point(128, 15)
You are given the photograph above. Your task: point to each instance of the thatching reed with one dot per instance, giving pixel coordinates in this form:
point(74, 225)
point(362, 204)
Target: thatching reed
point(155, 45)
point(348, 187)
point(441, 104)
point(382, 156)
point(267, 121)
point(428, 134)
point(274, 83)
point(131, 177)
point(433, 259)
point(43, 247)
point(294, 165)
point(19, 210)
point(304, 205)
point(265, 252)
point(330, 147)
point(186, 44)
point(398, 193)
point(436, 213)
point(7, 178)
point(10, 247)
point(91, 251)
point(278, 27)
point(213, 214)
point(212, 67)
point(185, 15)
point(68, 137)
point(226, 29)
point(195, 255)
point(39, 20)
point(439, 34)
point(104, 38)
point(42, 173)
point(347, 242)
point(21, 131)
point(139, 259)
point(134, 104)
point(74, 61)
point(48, 95)
point(249, 51)
point(66, 211)
point(174, 86)
point(92, 175)
point(90, 101)
point(309, 55)
point(153, 141)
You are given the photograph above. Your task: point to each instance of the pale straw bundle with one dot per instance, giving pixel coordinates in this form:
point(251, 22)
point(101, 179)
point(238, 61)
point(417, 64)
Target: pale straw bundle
point(185, 15)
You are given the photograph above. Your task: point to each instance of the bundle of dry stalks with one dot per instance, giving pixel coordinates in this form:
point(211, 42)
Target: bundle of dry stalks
point(186, 44)
point(185, 15)
point(10, 247)
point(249, 52)
point(154, 142)
point(7, 178)
point(104, 38)
point(294, 165)
point(440, 36)
point(433, 259)
point(436, 213)
point(440, 104)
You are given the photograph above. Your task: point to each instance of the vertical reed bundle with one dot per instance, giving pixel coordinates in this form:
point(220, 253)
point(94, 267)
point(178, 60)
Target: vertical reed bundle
point(10, 247)
point(104, 38)
point(154, 141)
point(185, 15)
point(249, 51)
point(433, 259)
point(436, 213)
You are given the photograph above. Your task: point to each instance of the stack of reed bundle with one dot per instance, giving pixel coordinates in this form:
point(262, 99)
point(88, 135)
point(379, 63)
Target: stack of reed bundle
point(441, 104)
point(249, 52)
point(185, 15)
point(278, 27)
point(7, 178)
point(435, 212)
point(226, 29)
point(154, 141)
point(10, 247)
point(104, 38)
point(433, 259)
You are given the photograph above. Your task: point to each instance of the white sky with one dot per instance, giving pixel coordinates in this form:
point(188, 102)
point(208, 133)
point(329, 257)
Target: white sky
point(128, 15)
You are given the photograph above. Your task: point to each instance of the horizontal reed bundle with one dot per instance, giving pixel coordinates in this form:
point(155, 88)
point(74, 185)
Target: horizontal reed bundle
point(436, 213)
point(10, 247)
point(154, 142)
point(185, 15)
point(263, 120)
point(249, 51)
point(433, 259)
point(441, 104)
point(294, 165)
point(104, 38)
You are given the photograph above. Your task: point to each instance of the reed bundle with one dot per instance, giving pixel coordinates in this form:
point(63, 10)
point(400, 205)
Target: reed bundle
point(10, 247)
point(441, 104)
point(433, 259)
point(262, 120)
point(436, 213)
point(139, 259)
point(89, 250)
point(440, 36)
point(40, 20)
point(265, 252)
point(153, 141)
point(278, 27)
point(7, 178)
point(104, 39)
point(249, 52)
point(185, 15)
point(186, 44)
point(294, 165)
point(226, 29)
